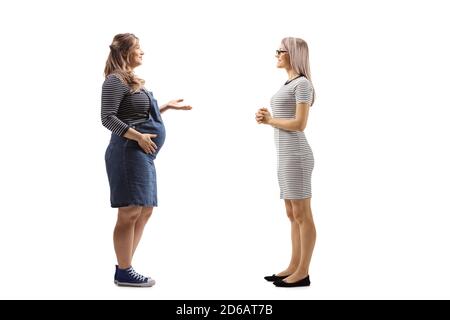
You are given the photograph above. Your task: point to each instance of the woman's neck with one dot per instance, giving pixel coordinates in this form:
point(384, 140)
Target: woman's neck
point(291, 74)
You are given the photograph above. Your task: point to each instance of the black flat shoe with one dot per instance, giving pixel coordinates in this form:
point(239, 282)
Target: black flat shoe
point(275, 278)
point(300, 283)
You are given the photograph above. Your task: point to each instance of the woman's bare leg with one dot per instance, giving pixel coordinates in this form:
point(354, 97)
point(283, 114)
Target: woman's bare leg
point(124, 235)
point(146, 212)
point(303, 217)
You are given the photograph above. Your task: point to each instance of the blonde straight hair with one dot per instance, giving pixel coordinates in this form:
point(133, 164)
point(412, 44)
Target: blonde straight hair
point(299, 56)
point(119, 60)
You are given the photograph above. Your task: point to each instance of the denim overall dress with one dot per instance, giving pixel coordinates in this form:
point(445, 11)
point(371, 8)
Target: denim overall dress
point(131, 172)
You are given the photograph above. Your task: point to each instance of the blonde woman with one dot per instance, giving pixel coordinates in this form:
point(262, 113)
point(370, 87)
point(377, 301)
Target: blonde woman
point(290, 107)
point(132, 114)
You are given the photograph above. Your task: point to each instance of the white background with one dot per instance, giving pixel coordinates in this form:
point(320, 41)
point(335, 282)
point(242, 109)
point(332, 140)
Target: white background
point(379, 131)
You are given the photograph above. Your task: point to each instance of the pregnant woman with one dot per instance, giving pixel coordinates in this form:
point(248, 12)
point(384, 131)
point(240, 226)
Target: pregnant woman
point(290, 107)
point(132, 114)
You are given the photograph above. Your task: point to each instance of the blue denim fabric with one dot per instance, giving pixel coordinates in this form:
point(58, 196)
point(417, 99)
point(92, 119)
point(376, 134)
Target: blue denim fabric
point(131, 172)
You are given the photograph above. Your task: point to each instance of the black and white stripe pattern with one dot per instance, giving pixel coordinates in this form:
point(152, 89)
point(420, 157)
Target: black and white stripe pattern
point(120, 106)
point(295, 157)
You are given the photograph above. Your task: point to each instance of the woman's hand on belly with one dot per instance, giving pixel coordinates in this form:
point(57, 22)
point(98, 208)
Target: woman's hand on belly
point(146, 143)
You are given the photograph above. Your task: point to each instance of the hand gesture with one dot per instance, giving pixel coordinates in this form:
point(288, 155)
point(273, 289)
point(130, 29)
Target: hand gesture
point(176, 105)
point(146, 142)
point(263, 116)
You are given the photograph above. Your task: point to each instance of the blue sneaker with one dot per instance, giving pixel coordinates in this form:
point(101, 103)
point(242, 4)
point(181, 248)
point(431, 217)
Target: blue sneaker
point(130, 278)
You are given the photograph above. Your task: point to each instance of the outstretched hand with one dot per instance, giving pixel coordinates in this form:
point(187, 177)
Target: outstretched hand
point(176, 105)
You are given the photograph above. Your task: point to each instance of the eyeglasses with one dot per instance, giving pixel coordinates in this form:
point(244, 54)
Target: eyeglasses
point(278, 52)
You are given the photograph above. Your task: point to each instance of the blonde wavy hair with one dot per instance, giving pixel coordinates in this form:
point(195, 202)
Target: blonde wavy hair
point(119, 60)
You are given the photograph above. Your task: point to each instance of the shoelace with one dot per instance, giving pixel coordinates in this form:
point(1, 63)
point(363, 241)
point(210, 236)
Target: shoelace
point(136, 275)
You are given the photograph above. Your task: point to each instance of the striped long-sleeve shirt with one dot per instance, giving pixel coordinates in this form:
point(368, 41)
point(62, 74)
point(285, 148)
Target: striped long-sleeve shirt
point(120, 106)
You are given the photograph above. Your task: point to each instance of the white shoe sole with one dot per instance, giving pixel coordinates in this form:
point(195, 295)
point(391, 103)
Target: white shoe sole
point(150, 283)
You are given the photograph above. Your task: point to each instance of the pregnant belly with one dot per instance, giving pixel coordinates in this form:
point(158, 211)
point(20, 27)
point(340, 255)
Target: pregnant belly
point(160, 132)
point(152, 127)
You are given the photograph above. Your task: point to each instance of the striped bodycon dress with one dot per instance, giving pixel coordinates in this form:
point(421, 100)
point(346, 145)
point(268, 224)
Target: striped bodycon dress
point(295, 157)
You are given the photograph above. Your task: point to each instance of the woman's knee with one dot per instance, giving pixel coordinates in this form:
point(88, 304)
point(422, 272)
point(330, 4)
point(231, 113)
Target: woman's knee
point(289, 210)
point(299, 215)
point(301, 211)
point(290, 214)
point(146, 212)
point(128, 214)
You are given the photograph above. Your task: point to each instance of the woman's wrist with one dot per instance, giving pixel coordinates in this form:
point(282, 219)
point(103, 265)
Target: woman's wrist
point(139, 136)
point(133, 134)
